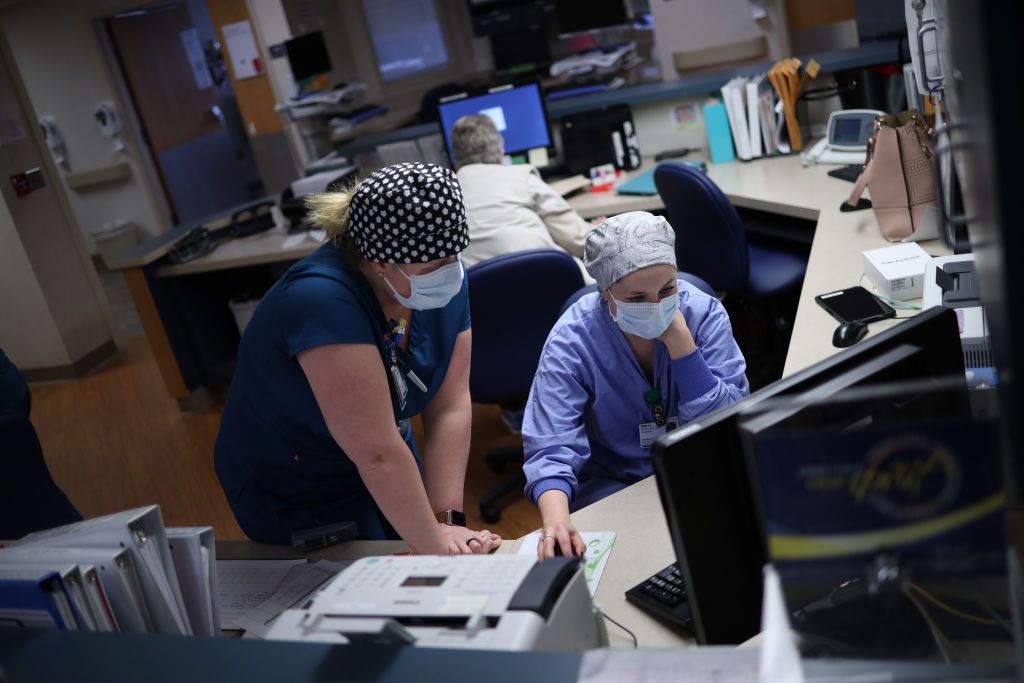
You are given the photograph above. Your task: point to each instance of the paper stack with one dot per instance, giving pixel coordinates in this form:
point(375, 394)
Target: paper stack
point(112, 573)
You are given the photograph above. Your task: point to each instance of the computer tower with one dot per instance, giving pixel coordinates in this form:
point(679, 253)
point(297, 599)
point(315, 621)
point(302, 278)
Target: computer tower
point(595, 138)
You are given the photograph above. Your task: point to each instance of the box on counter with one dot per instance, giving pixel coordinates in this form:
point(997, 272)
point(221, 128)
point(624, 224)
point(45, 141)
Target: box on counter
point(898, 271)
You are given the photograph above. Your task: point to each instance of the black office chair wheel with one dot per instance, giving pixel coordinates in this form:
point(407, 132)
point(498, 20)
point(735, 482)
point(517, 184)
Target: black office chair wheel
point(495, 461)
point(490, 513)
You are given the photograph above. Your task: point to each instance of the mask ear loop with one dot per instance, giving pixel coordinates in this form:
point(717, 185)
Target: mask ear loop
point(401, 299)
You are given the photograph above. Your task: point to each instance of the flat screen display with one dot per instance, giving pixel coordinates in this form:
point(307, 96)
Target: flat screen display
point(517, 112)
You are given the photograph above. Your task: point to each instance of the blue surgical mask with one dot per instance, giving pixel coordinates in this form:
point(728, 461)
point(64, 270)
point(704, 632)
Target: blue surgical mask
point(433, 290)
point(646, 320)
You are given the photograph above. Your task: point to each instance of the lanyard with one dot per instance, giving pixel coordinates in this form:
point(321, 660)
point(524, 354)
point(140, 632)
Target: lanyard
point(393, 333)
point(394, 330)
point(654, 400)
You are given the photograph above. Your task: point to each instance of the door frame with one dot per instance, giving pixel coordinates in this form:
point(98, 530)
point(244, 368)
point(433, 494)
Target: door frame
point(55, 179)
point(154, 180)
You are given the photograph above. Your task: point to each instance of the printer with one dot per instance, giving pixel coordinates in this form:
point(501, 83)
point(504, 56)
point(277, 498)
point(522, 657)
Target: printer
point(952, 282)
point(489, 602)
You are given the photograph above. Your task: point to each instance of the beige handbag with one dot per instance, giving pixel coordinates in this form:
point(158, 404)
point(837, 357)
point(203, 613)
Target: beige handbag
point(900, 177)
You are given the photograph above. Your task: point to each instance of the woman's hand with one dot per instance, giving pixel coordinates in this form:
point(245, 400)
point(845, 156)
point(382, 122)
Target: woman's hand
point(557, 529)
point(677, 338)
point(463, 541)
point(563, 535)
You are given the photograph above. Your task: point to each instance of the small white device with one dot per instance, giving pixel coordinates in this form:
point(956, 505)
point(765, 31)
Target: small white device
point(952, 281)
point(491, 602)
point(849, 131)
point(54, 139)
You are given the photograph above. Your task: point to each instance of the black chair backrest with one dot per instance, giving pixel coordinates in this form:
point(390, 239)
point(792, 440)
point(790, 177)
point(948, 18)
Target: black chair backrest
point(514, 300)
point(710, 239)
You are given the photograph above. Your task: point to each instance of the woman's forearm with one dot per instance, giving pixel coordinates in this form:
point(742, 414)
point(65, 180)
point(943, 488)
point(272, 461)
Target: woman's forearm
point(554, 507)
point(446, 452)
point(393, 480)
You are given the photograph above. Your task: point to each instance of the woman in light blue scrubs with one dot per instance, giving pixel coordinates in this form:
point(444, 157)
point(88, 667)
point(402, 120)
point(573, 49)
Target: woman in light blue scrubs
point(367, 331)
point(621, 367)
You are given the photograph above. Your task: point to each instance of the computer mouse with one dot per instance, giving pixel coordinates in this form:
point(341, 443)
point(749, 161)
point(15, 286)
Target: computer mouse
point(849, 334)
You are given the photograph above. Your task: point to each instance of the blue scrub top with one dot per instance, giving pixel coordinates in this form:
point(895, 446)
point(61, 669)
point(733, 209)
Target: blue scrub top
point(278, 464)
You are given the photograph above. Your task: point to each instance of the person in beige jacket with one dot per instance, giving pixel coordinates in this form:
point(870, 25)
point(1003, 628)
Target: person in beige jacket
point(510, 208)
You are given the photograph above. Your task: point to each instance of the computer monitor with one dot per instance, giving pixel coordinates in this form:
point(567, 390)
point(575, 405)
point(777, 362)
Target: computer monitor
point(877, 499)
point(584, 16)
point(707, 493)
point(307, 56)
point(517, 111)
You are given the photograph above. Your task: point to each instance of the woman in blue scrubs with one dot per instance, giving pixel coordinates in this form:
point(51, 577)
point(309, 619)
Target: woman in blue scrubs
point(367, 331)
point(621, 367)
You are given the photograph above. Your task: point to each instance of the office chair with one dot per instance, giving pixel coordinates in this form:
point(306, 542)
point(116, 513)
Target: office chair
point(581, 292)
point(29, 498)
point(711, 241)
point(514, 300)
point(758, 283)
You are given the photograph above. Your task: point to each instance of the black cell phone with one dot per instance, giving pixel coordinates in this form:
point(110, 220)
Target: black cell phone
point(855, 304)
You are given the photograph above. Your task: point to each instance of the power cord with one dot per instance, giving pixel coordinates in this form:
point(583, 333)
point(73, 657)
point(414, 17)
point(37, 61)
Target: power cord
point(895, 303)
point(631, 634)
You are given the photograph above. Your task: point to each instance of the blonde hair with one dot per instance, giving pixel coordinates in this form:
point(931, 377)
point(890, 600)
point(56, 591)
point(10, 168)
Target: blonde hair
point(328, 211)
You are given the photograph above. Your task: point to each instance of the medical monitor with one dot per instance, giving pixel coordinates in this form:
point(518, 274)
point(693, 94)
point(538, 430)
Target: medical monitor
point(307, 56)
point(707, 491)
point(585, 16)
point(517, 111)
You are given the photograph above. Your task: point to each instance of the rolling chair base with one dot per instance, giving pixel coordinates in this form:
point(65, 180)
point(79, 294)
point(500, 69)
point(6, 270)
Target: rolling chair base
point(496, 461)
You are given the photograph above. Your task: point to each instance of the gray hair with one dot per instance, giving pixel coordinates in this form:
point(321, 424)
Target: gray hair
point(476, 140)
point(626, 243)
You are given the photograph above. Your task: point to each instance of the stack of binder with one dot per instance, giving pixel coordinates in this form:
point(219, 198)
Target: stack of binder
point(122, 572)
point(754, 117)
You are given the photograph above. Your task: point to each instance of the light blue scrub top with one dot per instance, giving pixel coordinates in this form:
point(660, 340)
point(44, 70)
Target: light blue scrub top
point(581, 427)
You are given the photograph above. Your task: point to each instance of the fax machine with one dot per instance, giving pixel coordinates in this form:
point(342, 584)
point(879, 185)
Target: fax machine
point(489, 602)
point(952, 281)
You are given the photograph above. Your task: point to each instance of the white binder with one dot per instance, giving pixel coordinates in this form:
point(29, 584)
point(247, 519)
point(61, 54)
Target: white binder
point(195, 560)
point(116, 573)
point(141, 532)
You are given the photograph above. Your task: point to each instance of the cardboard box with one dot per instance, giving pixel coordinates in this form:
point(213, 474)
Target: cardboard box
point(898, 271)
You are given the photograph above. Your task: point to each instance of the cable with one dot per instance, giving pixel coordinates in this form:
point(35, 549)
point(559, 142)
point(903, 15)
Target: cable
point(895, 303)
point(631, 634)
point(952, 610)
point(941, 642)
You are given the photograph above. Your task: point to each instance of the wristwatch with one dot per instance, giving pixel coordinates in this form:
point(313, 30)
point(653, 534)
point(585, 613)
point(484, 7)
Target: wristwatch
point(451, 517)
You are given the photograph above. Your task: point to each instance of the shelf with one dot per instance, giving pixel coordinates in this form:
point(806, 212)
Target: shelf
point(98, 176)
point(882, 52)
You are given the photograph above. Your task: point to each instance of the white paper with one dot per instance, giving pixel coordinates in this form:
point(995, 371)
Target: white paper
point(599, 546)
point(780, 658)
point(293, 241)
point(196, 58)
point(241, 46)
point(297, 586)
point(690, 665)
point(244, 584)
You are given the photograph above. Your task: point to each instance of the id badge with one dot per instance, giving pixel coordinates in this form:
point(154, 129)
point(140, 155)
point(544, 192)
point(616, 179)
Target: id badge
point(401, 389)
point(649, 431)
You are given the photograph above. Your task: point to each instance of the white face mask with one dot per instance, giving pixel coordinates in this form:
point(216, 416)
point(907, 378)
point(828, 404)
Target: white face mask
point(646, 320)
point(433, 290)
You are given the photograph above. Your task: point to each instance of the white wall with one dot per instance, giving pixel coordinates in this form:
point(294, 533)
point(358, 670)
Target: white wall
point(58, 54)
point(271, 26)
point(28, 333)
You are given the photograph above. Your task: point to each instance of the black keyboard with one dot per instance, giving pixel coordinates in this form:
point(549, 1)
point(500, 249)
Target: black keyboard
point(664, 597)
point(850, 173)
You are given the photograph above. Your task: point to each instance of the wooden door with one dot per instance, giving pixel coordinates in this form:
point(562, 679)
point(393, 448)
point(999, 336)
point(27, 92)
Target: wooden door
point(174, 111)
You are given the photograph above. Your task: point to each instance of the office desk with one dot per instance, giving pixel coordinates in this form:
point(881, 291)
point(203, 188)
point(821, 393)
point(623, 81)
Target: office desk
point(781, 186)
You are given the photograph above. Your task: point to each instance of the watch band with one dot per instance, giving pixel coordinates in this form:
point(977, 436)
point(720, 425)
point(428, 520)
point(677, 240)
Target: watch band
point(451, 517)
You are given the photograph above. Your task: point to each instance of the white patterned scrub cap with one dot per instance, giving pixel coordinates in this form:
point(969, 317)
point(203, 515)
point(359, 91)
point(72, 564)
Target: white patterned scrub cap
point(409, 213)
point(626, 243)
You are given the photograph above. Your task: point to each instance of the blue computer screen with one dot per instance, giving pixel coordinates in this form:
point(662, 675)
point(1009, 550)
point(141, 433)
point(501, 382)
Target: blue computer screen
point(517, 112)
